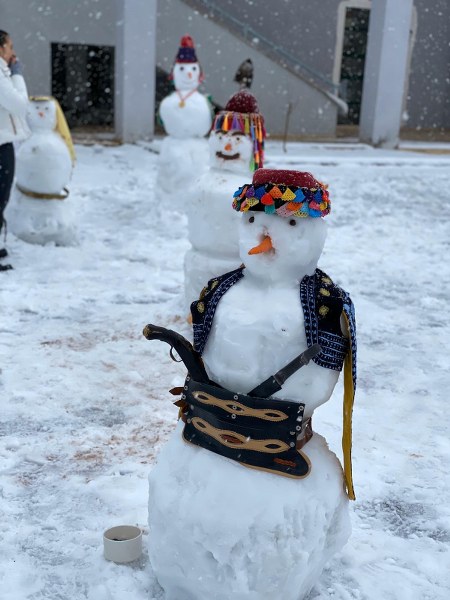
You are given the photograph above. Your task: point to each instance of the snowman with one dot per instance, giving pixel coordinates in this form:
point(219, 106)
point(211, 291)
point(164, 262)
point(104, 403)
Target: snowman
point(186, 116)
point(236, 147)
point(40, 211)
point(245, 500)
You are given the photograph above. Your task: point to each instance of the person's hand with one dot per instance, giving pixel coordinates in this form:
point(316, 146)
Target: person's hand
point(15, 66)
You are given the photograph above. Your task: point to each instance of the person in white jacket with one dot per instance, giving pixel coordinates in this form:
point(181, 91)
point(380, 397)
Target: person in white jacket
point(13, 125)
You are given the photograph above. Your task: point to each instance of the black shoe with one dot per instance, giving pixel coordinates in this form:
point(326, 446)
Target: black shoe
point(3, 252)
point(5, 267)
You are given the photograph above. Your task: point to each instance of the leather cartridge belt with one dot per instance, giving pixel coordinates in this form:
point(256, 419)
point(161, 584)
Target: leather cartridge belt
point(262, 433)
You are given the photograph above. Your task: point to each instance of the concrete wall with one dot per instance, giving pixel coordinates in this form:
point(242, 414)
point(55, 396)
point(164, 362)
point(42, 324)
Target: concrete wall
point(304, 28)
point(34, 24)
point(135, 56)
point(220, 54)
point(428, 103)
point(385, 72)
point(308, 30)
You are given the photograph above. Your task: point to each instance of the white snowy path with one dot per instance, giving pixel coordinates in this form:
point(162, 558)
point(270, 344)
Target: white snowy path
point(84, 402)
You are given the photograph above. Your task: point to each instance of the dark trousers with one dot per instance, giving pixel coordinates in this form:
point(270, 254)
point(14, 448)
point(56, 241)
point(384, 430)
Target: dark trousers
point(7, 166)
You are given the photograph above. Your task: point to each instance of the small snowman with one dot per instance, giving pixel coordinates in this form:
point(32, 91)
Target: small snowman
point(186, 115)
point(236, 149)
point(246, 501)
point(40, 211)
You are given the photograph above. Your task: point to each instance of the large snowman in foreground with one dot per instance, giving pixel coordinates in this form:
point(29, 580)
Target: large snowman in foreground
point(246, 501)
point(187, 116)
point(236, 149)
point(40, 210)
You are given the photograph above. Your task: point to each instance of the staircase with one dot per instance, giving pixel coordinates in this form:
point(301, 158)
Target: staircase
point(246, 33)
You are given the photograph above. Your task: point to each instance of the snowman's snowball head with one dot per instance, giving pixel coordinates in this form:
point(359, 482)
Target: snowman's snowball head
point(230, 150)
point(186, 76)
point(41, 115)
point(297, 244)
point(186, 72)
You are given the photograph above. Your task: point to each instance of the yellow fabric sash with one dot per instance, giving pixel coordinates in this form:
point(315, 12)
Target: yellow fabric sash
point(349, 397)
point(61, 124)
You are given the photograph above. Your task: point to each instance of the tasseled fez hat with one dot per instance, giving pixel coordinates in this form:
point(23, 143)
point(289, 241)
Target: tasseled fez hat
point(285, 193)
point(241, 113)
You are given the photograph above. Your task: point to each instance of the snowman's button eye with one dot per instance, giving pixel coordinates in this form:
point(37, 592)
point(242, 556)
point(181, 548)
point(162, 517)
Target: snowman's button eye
point(293, 222)
point(251, 219)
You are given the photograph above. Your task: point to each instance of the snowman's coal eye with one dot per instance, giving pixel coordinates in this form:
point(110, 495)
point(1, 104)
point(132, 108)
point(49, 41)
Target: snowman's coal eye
point(194, 68)
point(46, 108)
point(181, 68)
point(293, 222)
point(251, 219)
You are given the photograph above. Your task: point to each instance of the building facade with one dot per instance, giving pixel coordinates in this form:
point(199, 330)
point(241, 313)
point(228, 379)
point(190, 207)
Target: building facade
point(101, 58)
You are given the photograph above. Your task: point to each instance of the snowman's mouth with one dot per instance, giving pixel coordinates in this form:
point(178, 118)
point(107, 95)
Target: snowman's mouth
point(228, 156)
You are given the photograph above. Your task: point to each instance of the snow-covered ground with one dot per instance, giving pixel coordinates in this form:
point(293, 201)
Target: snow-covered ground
point(84, 402)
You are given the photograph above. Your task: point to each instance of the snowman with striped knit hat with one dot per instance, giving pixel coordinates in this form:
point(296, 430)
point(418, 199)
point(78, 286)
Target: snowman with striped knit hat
point(186, 115)
point(246, 501)
point(236, 150)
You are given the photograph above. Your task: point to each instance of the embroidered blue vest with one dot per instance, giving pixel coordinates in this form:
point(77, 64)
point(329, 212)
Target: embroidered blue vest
point(322, 302)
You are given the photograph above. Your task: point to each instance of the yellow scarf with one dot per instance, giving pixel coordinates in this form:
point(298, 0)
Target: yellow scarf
point(61, 124)
point(349, 396)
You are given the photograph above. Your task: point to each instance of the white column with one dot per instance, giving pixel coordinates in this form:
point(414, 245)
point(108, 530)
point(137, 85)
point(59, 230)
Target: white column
point(135, 60)
point(385, 72)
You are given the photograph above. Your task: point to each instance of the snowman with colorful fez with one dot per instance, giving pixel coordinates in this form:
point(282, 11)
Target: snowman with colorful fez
point(40, 211)
point(236, 147)
point(186, 115)
point(242, 505)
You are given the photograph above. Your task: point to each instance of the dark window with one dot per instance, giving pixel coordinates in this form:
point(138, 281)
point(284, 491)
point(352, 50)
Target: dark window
point(83, 83)
point(353, 58)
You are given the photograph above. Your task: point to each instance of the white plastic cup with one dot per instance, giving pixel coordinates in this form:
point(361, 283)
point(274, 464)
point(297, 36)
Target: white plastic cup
point(122, 544)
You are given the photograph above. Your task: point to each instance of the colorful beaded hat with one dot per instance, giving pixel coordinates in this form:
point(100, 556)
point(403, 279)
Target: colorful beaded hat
point(284, 193)
point(241, 113)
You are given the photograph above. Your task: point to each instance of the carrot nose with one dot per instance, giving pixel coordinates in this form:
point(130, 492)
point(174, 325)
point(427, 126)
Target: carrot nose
point(228, 147)
point(264, 246)
point(190, 75)
point(41, 114)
